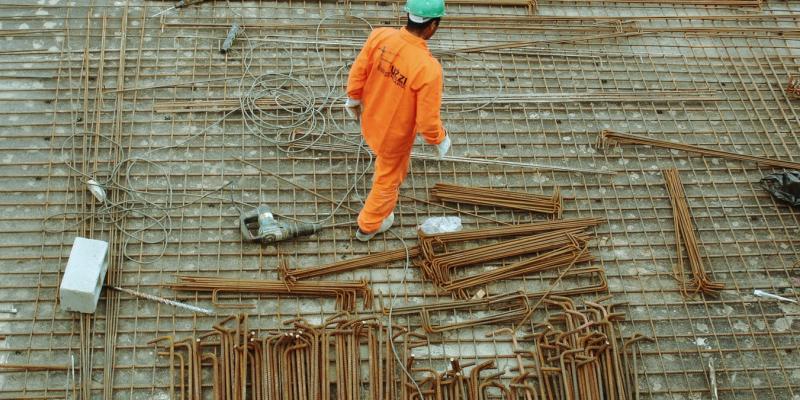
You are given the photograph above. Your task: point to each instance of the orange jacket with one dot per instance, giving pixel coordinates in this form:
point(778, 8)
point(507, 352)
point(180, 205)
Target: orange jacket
point(399, 84)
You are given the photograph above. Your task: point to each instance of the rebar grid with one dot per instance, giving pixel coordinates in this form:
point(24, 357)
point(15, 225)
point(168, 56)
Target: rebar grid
point(55, 88)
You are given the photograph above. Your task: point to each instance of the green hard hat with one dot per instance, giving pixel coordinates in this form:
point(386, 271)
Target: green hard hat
point(425, 8)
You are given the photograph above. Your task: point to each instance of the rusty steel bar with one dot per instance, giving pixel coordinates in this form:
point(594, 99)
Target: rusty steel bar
point(608, 138)
point(372, 260)
point(293, 364)
point(345, 292)
point(552, 205)
point(685, 236)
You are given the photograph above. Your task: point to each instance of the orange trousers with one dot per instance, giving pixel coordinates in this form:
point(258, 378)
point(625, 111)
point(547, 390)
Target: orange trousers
point(389, 174)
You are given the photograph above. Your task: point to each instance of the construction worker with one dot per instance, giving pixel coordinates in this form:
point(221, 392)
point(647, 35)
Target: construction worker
point(395, 90)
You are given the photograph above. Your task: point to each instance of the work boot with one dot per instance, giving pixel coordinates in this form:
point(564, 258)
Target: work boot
point(385, 225)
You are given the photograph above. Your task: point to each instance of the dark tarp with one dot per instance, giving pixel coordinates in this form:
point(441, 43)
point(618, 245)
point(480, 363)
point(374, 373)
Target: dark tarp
point(784, 186)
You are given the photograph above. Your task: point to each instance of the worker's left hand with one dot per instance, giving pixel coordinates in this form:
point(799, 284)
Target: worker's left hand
point(353, 108)
point(444, 147)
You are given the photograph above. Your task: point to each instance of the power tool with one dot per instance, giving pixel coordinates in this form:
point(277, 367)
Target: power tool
point(260, 225)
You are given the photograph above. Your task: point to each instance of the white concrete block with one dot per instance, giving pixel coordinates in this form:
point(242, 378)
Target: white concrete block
point(84, 276)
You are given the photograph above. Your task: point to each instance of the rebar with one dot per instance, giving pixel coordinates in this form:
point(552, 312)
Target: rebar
point(372, 260)
point(552, 244)
point(553, 259)
point(350, 149)
point(703, 3)
point(165, 301)
point(685, 237)
point(438, 267)
point(500, 198)
point(608, 138)
point(9, 367)
point(306, 361)
point(345, 292)
point(587, 96)
point(579, 353)
point(509, 307)
point(427, 241)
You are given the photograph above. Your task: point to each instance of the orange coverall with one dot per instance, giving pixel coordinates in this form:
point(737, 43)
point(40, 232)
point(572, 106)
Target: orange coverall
point(399, 84)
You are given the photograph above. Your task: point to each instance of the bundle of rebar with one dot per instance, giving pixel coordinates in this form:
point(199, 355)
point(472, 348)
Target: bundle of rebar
point(304, 362)
point(463, 381)
point(438, 268)
point(685, 237)
point(550, 244)
point(608, 138)
point(372, 260)
point(577, 353)
point(345, 292)
point(595, 276)
point(500, 198)
point(508, 307)
point(427, 242)
point(563, 257)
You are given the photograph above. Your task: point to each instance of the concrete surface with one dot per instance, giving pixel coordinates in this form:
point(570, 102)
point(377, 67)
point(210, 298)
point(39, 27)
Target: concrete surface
point(69, 112)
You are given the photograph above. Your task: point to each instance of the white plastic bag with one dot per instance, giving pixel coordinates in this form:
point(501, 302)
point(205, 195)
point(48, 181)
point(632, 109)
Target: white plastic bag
point(436, 225)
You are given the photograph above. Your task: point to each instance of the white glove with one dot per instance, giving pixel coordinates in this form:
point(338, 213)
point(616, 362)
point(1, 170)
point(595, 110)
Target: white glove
point(444, 147)
point(353, 108)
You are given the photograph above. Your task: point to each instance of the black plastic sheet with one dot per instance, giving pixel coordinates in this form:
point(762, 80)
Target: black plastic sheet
point(784, 186)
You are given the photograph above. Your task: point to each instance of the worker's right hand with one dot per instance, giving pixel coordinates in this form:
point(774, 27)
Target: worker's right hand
point(353, 108)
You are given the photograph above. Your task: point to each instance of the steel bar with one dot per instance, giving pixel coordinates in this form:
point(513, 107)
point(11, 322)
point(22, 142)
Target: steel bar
point(165, 301)
point(428, 241)
point(11, 367)
point(372, 260)
point(500, 198)
point(510, 307)
point(345, 292)
point(438, 268)
point(595, 274)
point(685, 237)
point(702, 3)
point(469, 160)
point(548, 260)
point(608, 138)
point(588, 96)
point(403, 196)
point(552, 244)
point(580, 355)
